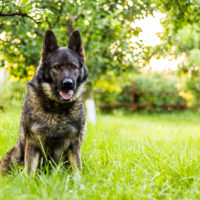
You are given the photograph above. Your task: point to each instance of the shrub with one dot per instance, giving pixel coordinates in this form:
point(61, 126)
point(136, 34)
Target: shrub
point(146, 82)
point(157, 83)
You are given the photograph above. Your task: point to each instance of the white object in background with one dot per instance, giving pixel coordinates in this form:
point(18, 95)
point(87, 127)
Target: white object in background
point(91, 111)
point(2, 75)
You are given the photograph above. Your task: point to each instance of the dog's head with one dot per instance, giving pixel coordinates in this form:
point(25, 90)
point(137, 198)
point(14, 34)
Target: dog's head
point(62, 70)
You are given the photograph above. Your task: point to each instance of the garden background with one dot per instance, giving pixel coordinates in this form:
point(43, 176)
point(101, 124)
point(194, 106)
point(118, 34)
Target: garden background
point(149, 151)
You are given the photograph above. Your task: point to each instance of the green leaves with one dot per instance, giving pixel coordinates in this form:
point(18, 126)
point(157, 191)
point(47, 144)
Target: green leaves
point(106, 28)
point(24, 2)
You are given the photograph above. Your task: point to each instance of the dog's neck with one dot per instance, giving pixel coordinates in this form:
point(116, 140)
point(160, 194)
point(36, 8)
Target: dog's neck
point(50, 105)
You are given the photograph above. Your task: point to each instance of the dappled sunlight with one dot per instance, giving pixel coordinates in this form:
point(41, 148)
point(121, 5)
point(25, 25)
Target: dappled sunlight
point(150, 28)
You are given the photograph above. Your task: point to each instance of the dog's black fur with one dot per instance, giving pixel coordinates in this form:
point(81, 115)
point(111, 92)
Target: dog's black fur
point(53, 115)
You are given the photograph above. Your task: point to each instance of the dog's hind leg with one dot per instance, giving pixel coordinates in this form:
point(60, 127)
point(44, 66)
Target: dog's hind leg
point(15, 155)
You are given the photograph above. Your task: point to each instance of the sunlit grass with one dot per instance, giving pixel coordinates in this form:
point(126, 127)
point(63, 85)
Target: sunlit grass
point(135, 156)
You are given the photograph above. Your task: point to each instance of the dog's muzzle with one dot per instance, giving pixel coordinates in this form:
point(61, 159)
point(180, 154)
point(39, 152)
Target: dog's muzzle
point(67, 89)
point(67, 84)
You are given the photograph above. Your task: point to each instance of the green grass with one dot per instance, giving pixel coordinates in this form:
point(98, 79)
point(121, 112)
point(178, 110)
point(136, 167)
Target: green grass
point(135, 156)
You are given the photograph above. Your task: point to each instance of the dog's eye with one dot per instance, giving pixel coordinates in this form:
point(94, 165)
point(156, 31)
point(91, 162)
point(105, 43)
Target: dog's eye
point(73, 67)
point(56, 67)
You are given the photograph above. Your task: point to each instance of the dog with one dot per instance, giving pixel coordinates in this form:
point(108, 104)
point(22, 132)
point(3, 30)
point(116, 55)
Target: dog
point(52, 122)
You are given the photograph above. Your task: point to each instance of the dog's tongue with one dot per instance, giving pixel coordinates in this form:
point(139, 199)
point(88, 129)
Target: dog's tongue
point(66, 95)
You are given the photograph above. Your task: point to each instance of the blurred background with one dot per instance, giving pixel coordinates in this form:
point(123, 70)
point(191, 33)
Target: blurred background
point(141, 55)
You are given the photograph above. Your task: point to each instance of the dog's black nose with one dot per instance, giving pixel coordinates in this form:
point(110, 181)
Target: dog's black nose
point(67, 83)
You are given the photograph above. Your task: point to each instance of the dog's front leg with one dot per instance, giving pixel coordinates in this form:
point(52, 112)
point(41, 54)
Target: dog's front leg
point(74, 156)
point(32, 156)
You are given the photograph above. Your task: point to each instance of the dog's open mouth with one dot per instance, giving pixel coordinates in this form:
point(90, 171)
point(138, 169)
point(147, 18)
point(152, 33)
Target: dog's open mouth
point(66, 95)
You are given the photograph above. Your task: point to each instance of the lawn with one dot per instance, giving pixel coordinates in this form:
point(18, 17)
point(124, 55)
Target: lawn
point(134, 156)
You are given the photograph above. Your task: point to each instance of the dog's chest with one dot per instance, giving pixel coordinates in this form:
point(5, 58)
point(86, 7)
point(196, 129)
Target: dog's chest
point(55, 126)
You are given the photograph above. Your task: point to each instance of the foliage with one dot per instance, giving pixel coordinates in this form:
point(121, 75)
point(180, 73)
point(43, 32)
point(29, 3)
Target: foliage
point(22, 8)
point(178, 15)
point(188, 44)
point(139, 156)
point(158, 83)
point(181, 37)
point(106, 28)
point(155, 83)
point(187, 39)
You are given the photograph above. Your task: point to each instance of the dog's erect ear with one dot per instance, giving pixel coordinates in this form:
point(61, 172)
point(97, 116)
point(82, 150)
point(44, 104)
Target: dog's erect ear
point(49, 43)
point(76, 43)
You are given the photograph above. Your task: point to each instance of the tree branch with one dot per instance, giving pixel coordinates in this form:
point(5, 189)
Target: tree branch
point(19, 14)
point(69, 24)
point(58, 18)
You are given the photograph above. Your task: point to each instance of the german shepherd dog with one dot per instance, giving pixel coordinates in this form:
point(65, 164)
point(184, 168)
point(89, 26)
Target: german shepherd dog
point(53, 116)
